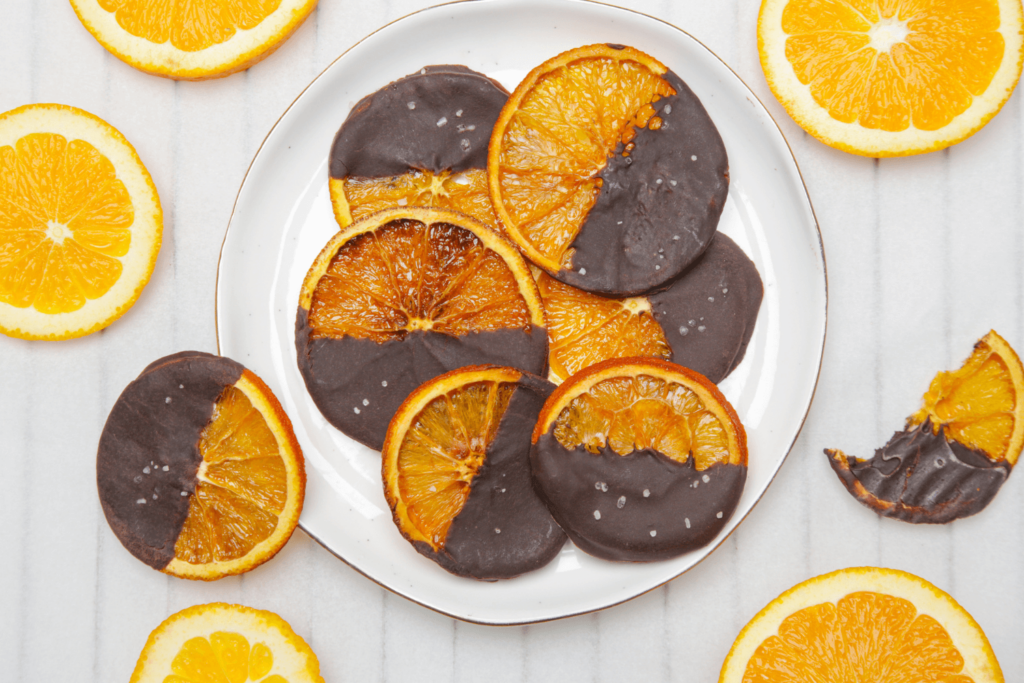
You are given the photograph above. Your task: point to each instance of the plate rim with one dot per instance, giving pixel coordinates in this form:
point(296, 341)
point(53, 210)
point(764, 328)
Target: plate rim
point(824, 320)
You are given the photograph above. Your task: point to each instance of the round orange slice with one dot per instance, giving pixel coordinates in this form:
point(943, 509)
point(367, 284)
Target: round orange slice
point(606, 170)
point(891, 78)
point(862, 624)
point(199, 472)
point(223, 643)
point(456, 469)
point(639, 459)
point(192, 40)
point(403, 296)
point(80, 223)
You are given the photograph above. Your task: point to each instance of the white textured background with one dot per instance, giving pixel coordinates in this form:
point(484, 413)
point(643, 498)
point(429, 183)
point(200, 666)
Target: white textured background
point(924, 256)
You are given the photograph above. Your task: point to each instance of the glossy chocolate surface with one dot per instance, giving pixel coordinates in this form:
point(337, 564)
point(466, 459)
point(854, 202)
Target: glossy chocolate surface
point(922, 477)
point(658, 207)
point(504, 529)
point(358, 384)
point(149, 450)
point(599, 500)
point(438, 119)
point(708, 314)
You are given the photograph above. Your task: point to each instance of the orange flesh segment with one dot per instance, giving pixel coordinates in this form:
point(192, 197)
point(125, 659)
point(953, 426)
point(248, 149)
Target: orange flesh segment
point(407, 276)
point(443, 449)
point(644, 412)
point(976, 403)
point(242, 488)
point(865, 636)
point(892, 64)
point(560, 138)
point(584, 328)
point(225, 657)
point(64, 221)
point(466, 192)
point(190, 25)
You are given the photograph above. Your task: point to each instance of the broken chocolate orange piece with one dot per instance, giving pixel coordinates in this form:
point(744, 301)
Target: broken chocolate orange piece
point(956, 451)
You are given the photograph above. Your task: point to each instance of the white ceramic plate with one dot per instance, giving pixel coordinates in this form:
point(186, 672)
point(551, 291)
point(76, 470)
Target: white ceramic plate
point(282, 218)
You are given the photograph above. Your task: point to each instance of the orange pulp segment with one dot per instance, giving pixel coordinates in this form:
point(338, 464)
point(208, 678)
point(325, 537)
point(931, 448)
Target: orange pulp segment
point(980, 404)
point(585, 328)
point(555, 135)
point(437, 442)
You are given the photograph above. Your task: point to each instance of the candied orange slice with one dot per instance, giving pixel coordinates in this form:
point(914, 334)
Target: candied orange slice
point(891, 78)
point(555, 135)
point(980, 405)
point(862, 624)
point(80, 223)
point(250, 486)
point(436, 444)
point(633, 404)
point(222, 643)
point(585, 329)
point(192, 40)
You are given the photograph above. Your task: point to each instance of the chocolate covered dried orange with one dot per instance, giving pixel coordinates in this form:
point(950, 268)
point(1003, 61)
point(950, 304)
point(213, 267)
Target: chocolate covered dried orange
point(403, 296)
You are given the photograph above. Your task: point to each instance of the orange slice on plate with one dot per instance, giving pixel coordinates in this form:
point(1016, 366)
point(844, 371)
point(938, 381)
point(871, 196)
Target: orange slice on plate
point(192, 40)
point(223, 643)
point(80, 223)
point(891, 78)
point(862, 624)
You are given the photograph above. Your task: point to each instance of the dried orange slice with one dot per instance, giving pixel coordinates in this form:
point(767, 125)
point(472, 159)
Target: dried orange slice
point(403, 296)
point(192, 40)
point(704, 320)
point(80, 223)
point(891, 78)
point(956, 451)
point(605, 169)
point(456, 469)
point(222, 643)
point(862, 624)
point(420, 141)
point(199, 472)
point(639, 459)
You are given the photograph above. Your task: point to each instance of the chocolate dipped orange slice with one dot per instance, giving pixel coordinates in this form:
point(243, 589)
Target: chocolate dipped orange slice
point(403, 296)
point(639, 459)
point(456, 469)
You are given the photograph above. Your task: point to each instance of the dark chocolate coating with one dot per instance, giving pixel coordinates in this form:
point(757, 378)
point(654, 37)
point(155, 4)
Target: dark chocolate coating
point(686, 508)
point(504, 529)
point(383, 137)
point(144, 433)
point(708, 314)
point(922, 477)
point(341, 373)
point(636, 219)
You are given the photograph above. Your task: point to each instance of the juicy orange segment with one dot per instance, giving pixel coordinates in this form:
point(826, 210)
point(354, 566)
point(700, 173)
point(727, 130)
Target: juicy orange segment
point(555, 135)
point(845, 69)
point(584, 328)
point(862, 624)
point(356, 198)
point(980, 404)
point(437, 442)
point(249, 490)
point(220, 643)
point(642, 403)
point(418, 269)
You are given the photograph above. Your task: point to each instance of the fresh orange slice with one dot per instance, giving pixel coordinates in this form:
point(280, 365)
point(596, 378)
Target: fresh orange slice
point(222, 643)
point(891, 78)
point(862, 624)
point(80, 223)
point(192, 40)
point(457, 473)
point(403, 296)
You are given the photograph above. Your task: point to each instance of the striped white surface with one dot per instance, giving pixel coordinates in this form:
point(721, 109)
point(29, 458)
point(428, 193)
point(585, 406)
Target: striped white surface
point(924, 257)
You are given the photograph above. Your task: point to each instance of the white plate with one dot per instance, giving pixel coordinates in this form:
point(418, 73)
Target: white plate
point(282, 218)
